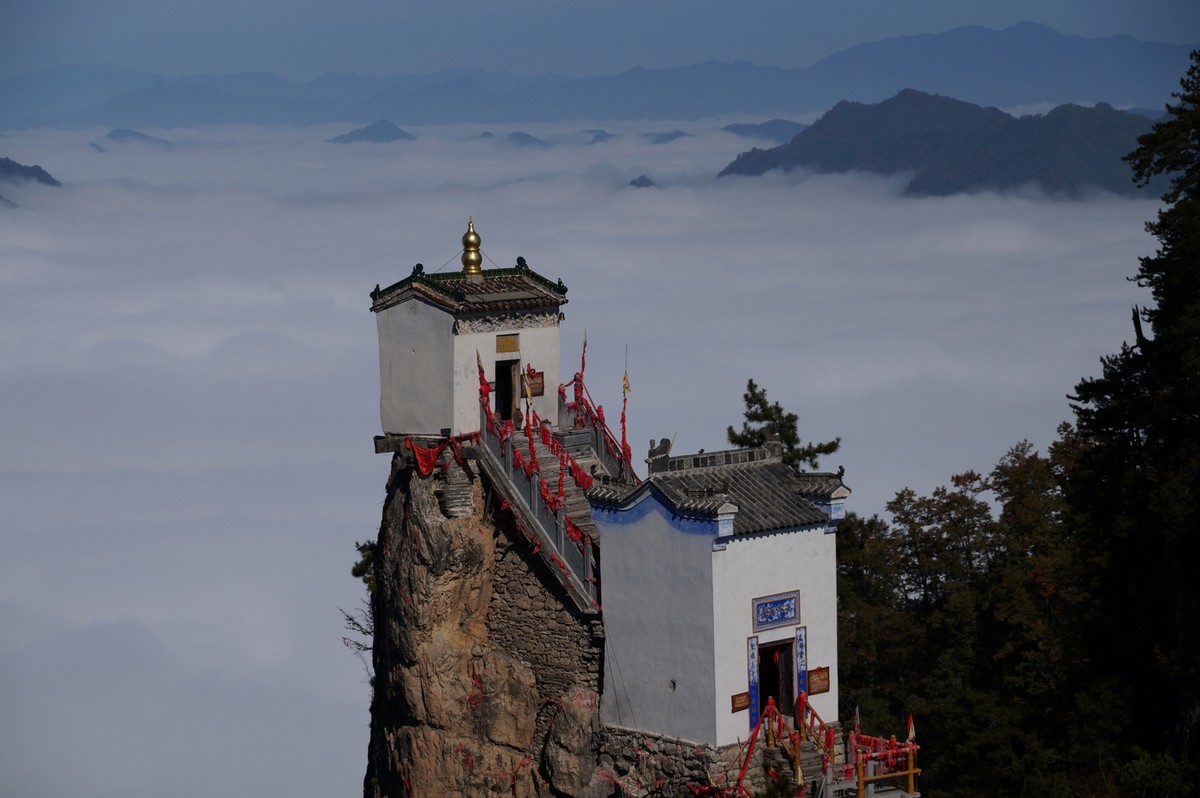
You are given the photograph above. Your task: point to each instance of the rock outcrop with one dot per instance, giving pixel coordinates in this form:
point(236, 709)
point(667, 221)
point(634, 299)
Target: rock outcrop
point(486, 677)
point(487, 673)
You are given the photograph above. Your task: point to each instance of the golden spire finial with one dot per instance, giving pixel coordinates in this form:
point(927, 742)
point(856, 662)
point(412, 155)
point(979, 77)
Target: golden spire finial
point(472, 260)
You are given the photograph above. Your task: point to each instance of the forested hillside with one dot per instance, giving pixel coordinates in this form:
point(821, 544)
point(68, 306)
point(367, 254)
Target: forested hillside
point(1041, 621)
point(950, 146)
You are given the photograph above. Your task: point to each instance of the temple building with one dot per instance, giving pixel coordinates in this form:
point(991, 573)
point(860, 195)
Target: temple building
point(719, 586)
point(683, 603)
point(432, 325)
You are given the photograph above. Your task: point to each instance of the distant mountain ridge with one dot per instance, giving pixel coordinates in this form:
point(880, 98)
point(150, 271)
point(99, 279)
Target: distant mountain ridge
point(951, 146)
point(780, 131)
point(122, 137)
point(1020, 65)
point(1025, 64)
point(379, 132)
point(14, 172)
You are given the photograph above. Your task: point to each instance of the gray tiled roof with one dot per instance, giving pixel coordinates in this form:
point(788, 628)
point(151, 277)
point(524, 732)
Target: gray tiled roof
point(514, 289)
point(611, 493)
point(819, 483)
point(767, 493)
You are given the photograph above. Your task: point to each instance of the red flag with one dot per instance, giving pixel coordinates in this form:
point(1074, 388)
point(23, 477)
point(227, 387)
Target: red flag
point(626, 452)
point(583, 357)
point(485, 387)
point(912, 730)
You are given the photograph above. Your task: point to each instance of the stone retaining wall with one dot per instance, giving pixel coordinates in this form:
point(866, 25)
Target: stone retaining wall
point(531, 617)
point(487, 675)
point(653, 765)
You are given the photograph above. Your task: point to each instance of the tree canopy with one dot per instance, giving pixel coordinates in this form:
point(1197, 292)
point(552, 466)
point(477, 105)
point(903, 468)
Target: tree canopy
point(1137, 489)
point(763, 418)
point(1042, 621)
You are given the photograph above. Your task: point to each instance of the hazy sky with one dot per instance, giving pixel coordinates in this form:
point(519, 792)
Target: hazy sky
point(189, 376)
point(304, 38)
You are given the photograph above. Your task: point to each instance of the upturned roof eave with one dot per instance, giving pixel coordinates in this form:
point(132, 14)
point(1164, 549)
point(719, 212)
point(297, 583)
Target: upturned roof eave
point(441, 291)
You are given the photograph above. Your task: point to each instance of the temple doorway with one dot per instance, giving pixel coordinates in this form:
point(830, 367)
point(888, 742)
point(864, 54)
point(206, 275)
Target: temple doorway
point(507, 379)
point(776, 676)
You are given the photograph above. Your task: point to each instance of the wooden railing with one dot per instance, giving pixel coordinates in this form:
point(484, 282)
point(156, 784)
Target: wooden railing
point(815, 730)
point(578, 412)
point(781, 734)
point(867, 759)
point(512, 455)
point(878, 759)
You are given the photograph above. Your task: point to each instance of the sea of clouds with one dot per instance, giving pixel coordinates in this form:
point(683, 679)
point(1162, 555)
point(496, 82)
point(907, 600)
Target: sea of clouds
point(190, 386)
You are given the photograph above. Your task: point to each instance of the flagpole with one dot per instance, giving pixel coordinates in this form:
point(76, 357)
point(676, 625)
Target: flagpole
point(626, 453)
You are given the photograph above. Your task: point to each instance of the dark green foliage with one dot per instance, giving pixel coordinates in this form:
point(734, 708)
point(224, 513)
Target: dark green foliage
point(360, 623)
point(1137, 490)
point(874, 629)
point(1043, 623)
point(1148, 775)
point(956, 615)
point(952, 146)
point(765, 418)
point(364, 569)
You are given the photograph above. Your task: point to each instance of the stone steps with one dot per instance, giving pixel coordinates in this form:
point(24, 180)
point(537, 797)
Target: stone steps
point(455, 496)
point(811, 763)
point(576, 505)
point(578, 561)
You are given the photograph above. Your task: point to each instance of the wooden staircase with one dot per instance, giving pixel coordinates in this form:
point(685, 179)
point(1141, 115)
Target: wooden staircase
point(824, 764)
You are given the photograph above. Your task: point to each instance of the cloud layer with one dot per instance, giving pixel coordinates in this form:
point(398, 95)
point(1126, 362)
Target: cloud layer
point(189, 374)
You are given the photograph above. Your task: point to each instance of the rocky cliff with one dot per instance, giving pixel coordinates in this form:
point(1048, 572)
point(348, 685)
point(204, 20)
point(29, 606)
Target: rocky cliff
point(486, 678)
point(487, 675)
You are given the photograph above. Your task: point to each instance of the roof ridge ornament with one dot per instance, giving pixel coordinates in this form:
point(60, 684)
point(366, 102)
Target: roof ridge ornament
point(659, 456)
point(773, 444)
point(472, 260)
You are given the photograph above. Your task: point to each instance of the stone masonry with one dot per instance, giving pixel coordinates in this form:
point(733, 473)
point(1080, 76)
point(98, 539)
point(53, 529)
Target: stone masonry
point(487, 677)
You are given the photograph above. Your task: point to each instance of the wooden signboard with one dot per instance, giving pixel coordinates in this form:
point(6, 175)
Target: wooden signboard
point(508, 343)
point(739, 702)
point(535, 385)
point(818, 681)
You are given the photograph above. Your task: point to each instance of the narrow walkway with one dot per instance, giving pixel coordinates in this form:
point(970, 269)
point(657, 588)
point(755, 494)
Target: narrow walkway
point(559, 525)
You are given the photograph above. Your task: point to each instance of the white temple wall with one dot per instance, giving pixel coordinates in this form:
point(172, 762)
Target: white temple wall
point(759, 566)
point(658, 610)
point(538, 347)
point(416, 387)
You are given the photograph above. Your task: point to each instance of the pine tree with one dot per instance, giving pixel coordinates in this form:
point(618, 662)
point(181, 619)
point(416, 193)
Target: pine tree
point(765, 418)
point(1135, 493)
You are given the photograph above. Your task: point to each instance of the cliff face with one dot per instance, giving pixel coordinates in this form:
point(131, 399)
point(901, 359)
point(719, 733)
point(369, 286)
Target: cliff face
point(486, 678)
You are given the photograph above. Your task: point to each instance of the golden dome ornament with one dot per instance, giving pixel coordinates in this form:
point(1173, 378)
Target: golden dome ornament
point(472, 259)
